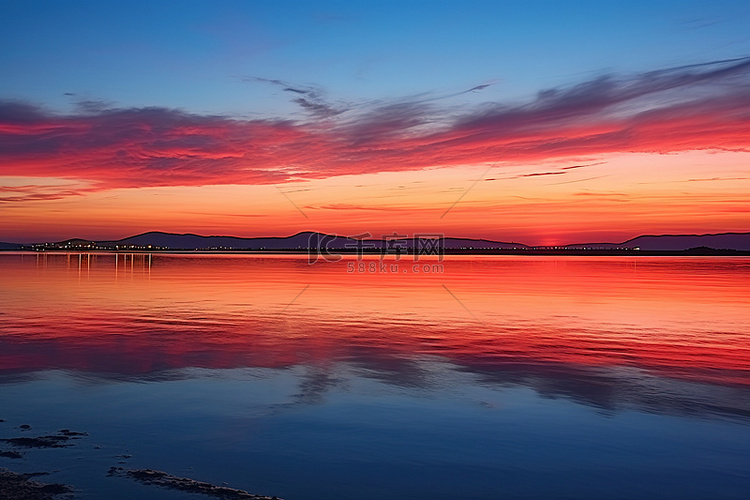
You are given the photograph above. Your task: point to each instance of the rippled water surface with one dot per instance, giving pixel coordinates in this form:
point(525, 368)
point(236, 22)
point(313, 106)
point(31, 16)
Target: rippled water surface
point(474, 377)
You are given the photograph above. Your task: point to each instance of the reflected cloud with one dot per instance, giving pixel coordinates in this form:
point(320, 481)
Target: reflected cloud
point(602, 333)
point(389, 368)
point(607, 389)
point(617, 389)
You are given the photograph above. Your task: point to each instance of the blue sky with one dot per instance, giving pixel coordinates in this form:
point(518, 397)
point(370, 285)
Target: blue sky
point(194, 55)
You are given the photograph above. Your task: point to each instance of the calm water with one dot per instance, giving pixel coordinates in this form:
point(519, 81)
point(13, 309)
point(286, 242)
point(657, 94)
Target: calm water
point(488, 377)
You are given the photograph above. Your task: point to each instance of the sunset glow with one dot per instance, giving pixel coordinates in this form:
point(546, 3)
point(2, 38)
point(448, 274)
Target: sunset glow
point(649, 146)
point(404, 249)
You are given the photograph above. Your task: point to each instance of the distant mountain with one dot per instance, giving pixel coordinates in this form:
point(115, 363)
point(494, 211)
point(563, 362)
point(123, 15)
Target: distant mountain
point(304, 240)
point(468, 243)
point(597, 246)
point(194, 241)
point(725, 241)
point(298, 241)
point(675, 243)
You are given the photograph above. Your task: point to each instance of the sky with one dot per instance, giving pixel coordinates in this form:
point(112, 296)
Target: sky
point(540, 122)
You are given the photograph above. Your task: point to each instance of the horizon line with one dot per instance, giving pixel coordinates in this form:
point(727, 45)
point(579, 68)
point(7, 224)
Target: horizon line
point(406, 237)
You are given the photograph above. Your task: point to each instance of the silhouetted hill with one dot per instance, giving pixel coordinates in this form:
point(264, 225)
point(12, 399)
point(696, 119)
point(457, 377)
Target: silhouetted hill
point(697, 244)
point(194, 241)
point(668, 242)
point(298, 241)
point(674, 243)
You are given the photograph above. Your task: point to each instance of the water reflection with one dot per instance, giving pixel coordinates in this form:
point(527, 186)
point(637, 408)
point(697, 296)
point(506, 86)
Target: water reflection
point(658, 335)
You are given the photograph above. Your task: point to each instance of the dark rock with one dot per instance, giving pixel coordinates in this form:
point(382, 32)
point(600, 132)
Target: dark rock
point(15, 486)
point(160, 478)
point(113, 471)
point(39, 442)
point(51, 441)
point(68, 432)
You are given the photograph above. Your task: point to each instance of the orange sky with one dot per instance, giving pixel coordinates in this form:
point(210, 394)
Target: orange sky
point(615, 198)
point(603, 160)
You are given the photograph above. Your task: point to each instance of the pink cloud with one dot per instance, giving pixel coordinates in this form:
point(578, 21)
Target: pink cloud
point(691, 108)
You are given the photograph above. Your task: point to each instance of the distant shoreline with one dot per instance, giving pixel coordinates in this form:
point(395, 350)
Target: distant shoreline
point(697, 252)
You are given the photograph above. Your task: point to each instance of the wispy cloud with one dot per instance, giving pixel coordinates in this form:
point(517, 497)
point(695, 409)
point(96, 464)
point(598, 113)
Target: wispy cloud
point(16, 194)
point(311, 99)
point(537, 174)
point(695, 107)
point(371, 208)
point(576, 180)
point(571, 167)
point(710, 179)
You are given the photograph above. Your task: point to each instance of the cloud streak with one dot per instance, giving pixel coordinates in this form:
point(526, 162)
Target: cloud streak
point(14, 194)
point(696, 107)
point(311, 99)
